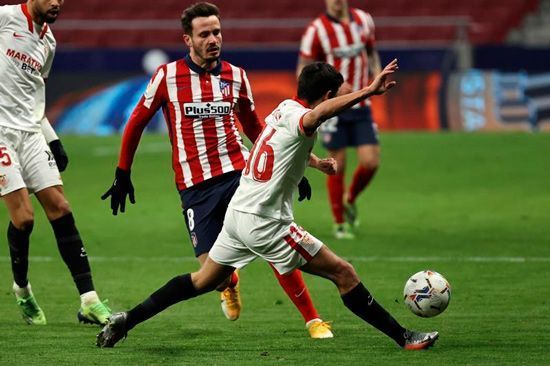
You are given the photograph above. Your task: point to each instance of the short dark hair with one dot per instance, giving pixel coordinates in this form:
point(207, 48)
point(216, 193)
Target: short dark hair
point(197, 10)
point(316, 79)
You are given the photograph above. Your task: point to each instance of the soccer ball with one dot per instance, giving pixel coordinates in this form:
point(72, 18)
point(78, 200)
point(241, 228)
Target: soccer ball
point(427, 293)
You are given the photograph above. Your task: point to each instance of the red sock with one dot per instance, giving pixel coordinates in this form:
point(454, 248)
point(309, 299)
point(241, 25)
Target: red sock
point(234, 280)
point(296, 289)
point(335, 186)
point(361, 179)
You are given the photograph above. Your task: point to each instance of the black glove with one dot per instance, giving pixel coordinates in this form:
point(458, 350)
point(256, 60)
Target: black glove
point(122, 187)
point(304, 190)
point(59, 154)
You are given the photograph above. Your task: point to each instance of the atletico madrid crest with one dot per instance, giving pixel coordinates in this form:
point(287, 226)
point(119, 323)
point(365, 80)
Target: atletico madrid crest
point(225, 88)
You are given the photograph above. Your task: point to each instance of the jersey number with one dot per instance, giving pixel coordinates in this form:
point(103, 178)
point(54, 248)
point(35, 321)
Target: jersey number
point(5, 159)
point(261, 159)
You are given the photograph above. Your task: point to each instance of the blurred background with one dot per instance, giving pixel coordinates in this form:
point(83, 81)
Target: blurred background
point(465, 65)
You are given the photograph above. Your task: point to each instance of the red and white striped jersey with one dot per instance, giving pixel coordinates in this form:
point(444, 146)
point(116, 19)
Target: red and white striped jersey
point(199, 108)
point(341, 45)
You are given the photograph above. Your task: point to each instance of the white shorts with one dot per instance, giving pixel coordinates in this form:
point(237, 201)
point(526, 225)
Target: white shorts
point(245, 236)
point(26, 162)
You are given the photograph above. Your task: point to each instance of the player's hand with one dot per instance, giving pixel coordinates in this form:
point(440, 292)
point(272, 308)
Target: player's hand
point(304, 190)
point(327, 166)
point(122, 187)
point(59, 154)
point(381, 84)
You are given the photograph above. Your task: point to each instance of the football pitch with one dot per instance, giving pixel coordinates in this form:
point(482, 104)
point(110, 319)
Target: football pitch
point(474, 207)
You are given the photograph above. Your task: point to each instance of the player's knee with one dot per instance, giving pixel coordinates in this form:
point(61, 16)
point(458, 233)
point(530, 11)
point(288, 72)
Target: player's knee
point(24, 220)
point(370, 163)
point(346, 276)
point(58, 209)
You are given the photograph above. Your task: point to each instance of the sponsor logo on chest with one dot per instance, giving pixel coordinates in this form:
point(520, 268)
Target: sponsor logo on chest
point(206, 109)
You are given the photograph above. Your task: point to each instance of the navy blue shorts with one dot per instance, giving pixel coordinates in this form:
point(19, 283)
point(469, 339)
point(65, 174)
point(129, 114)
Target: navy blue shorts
point(351, 128)
point(204, 207)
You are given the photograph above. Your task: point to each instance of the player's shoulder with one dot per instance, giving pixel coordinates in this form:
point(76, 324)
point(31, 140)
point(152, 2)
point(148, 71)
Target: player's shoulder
point(225, 65)
point(7, 10)
point(363, 15)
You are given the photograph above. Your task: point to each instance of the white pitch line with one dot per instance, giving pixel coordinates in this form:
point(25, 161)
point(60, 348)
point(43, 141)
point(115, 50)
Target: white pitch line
point(353, 259)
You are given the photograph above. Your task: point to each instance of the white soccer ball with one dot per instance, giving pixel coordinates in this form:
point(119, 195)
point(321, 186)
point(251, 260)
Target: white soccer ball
point(427, 293)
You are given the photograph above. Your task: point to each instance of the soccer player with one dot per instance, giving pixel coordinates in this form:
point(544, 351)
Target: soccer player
point(344, 37)
point(259, 220)
point(28, 164)
point(200, 96)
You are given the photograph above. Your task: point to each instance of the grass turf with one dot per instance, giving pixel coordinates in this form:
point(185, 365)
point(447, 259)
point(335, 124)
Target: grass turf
point(473, 207)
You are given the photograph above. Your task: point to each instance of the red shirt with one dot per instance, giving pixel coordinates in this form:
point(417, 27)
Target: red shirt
point(199, 107)
point(341, 45)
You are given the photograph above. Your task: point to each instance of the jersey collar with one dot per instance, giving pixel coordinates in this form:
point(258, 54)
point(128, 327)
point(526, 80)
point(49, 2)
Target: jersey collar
point(30, 22)
point(335, 20)
point(199, 70)
point(302, 102)
point(28, 16)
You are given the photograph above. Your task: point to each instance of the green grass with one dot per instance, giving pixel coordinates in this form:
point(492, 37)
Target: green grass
point(468, 206)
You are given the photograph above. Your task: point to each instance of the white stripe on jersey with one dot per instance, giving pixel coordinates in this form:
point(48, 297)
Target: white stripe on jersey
point(368, 23)
point(237, 82)
point(307, 40)
point(356, 37)
point(198, 131)
point(325, 42)
point(173, 94)
point(248, 91)
point(342, 42)
point(227, 166)
point(152, 88)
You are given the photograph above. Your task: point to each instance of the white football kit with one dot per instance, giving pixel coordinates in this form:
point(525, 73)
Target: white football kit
point(26, 53)
point(259, 219)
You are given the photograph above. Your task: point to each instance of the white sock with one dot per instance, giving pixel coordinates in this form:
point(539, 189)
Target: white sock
point(22, 292)
point(89, 298)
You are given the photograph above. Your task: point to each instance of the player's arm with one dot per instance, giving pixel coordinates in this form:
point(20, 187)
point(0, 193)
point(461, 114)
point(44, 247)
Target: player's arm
point(59, 154)
point(331, 107)
point(252, 125)
point(327, 165)
point(246, 111)
point(153, 98)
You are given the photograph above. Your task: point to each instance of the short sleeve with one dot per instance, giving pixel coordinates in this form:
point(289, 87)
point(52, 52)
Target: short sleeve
point(292, 116)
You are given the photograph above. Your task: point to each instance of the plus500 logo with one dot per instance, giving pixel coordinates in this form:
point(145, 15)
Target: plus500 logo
point(208, 109)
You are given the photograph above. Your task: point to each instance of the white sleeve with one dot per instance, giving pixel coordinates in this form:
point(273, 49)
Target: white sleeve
point(293, 117)
point(48, 131)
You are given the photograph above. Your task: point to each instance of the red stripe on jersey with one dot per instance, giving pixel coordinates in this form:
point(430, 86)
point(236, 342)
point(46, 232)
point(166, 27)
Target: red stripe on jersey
point(185, 94)
point(209, 128)
point(233, 145)
point(297, 247)
point(44, 30)
point(331, 34)
point(28, 16)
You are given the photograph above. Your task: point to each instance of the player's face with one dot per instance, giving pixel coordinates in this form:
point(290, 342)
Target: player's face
point(206, 40)
point(47, 10)
point(336, 6)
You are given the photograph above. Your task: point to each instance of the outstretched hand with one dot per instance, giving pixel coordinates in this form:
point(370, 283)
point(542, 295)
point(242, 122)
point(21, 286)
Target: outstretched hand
point(122, 187)
point(381, 84)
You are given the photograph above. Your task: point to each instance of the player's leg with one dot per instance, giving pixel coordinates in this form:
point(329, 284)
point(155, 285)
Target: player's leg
point(19, 230)
point(72, 251)
point(204, 208)
point(365, 138)
point(358, 299)
point(226, 254)
point(296, 289)
point(15, 194)
point(179, 288)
